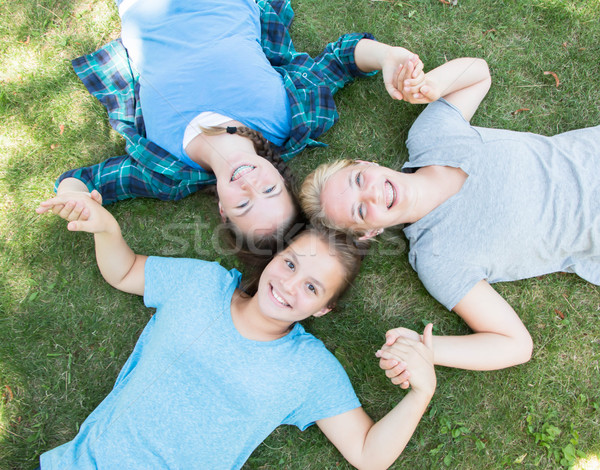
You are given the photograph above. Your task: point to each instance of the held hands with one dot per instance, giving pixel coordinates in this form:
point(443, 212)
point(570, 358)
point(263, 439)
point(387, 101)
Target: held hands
point(82, 210)
point(419, 90)
point(408, 355)
point(394, 66)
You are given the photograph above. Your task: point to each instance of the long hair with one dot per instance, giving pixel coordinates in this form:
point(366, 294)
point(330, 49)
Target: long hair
point(256, 251)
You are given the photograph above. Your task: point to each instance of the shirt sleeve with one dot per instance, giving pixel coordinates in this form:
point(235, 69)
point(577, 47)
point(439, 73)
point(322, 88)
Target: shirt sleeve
point(329, 391)
point(124, 177)
point(439, 128)
point(337, 63)
point(171, 279)
point(446, 279)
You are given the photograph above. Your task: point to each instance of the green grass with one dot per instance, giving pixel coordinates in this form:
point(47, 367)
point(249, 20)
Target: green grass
point(64, 333)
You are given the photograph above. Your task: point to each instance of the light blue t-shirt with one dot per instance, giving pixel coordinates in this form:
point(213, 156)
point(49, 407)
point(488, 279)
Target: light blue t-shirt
point(195, 393)
point(196, 56)
point(530, 205)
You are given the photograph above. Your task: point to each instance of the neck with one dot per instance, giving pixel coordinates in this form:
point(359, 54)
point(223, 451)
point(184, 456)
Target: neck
point(432, 186)
point(252, 324)
point(215, 153)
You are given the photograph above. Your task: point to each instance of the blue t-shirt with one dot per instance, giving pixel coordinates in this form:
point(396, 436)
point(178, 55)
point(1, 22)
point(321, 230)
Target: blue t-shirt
point(530, 205)
point(195, 393)
point(202, 56)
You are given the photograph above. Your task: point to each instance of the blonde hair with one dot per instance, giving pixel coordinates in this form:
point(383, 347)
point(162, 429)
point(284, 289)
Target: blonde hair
point(311, 189)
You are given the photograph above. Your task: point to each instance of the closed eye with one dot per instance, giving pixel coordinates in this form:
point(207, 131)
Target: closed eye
point(358, 179)
point(361, 212)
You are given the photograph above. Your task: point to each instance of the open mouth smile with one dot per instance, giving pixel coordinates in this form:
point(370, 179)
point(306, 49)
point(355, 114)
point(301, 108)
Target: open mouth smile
point(390, 194)
point(278, 299)
point(241, 171)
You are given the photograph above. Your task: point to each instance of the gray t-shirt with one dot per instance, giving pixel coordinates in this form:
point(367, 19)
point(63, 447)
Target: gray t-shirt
point(530, 205)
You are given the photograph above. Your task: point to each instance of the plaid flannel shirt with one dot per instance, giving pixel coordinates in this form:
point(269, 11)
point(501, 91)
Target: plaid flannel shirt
point(147, 170)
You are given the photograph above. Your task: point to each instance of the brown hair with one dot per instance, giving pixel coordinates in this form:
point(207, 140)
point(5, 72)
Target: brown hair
point(345, 248)
point(256, 251)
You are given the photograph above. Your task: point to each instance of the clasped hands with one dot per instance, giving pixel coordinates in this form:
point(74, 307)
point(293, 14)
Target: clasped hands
point(407, 81)
point(407, 358)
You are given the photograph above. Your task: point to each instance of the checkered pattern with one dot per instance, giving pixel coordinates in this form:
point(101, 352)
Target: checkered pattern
point(150, 171)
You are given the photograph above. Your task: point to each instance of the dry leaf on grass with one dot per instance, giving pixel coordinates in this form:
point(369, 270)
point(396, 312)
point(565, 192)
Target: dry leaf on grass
point(555, 77)
point(520, 110)
point(8, 393)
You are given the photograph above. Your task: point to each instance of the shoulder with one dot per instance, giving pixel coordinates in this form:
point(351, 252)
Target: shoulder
point(186, 273)
point(313, 353)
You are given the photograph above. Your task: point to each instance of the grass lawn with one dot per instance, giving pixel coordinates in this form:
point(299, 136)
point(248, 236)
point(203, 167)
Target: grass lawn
point(65, 333)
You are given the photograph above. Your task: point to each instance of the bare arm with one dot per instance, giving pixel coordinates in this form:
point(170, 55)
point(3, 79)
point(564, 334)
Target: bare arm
point(368, 445)
point(463, 82)
point(499, 340)
point(372, 55)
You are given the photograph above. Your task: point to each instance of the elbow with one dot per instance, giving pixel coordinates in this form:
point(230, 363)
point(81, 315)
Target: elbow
point(523, 348)
point(486, 77)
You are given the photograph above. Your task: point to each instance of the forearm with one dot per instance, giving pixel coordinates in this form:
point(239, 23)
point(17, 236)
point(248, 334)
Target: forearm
point(388, 437)
point(370, 55)
point(481, 351)
point(458, 74)
point(71, 185)
point(114, 256)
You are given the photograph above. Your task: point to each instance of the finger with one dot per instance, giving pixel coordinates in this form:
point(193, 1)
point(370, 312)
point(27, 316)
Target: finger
point(397, 371)
point(428, 336)
point(57, 208)
point(401, 378)
point(418, 70)
point(96, 196)
point(66, 210)
point(387, 364)
point(42, 209)
point(405, 385)
point(76, 212)
point(79, 226)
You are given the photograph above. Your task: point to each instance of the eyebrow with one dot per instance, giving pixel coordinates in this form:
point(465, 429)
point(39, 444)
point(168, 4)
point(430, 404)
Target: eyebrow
point(270, 195)
point(353, 208)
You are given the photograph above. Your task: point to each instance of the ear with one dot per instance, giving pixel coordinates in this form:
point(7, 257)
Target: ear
point(370, 234)
point(321, 312)
point(222, 213)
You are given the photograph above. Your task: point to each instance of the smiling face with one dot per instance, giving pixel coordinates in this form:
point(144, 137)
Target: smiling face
point(300, 281)
point(364, 197)
point(254, 197)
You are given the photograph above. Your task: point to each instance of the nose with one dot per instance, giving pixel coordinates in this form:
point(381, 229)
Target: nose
point(290, 284)
point(370, 194)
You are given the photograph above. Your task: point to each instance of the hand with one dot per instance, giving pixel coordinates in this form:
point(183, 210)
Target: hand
point(418, 356)
point(393, 65)
point(83, 210)
point(396, 370)
point(416, 91)
point(72, 208)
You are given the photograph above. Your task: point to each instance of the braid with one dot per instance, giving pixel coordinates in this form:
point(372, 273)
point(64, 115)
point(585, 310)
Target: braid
point(262, 146)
